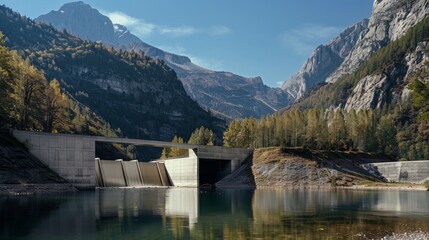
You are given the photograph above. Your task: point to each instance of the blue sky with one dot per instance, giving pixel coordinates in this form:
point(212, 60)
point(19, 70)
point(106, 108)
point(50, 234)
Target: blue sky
point(270, 39)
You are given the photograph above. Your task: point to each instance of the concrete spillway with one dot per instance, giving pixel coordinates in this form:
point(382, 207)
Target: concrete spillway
point(130, 174)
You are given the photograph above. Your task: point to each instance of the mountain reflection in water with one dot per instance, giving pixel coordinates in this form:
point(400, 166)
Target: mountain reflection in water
point(190, 213)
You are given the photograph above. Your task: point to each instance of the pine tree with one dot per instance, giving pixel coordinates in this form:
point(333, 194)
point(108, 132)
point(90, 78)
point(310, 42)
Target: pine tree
point(202, 136)
point(177, 152)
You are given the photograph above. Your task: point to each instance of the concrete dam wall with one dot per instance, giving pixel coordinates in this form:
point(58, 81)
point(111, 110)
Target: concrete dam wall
point(406, 171)
point(73, 158)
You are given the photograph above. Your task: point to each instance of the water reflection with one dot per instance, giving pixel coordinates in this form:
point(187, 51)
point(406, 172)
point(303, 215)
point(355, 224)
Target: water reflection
point(47, 217)
point(190, 213)
point(399, 202)
point(306, 201)
point(124, 204)
point(301, 214)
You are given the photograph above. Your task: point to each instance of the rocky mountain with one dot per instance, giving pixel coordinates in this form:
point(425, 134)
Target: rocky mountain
point(377, 89)
point(224, 93)
point(99, 27)
point(389, 55)
point(140, 95)
point(389, 21)
point(324, 60)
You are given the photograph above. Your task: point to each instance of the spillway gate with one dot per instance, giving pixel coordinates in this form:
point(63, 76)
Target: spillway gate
point(121, 173)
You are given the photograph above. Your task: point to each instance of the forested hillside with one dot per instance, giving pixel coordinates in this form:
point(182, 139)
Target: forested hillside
point(134, 93)
point(29, 101)
point(397, 125)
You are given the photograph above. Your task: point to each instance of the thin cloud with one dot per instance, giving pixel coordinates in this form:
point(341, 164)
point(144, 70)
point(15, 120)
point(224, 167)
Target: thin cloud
point(138, 26)
point(303, 40)
point(177, 31)
point(144, 29)
point(219, 30)
point(122, 18)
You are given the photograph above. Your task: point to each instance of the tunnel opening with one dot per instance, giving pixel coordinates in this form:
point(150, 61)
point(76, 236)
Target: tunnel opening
point(212, 171)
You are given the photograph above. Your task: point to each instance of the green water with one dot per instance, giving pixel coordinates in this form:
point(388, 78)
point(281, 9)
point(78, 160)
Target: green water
point(188, 213)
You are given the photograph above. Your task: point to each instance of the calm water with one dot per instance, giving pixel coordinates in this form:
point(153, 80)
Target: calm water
point(187, 213)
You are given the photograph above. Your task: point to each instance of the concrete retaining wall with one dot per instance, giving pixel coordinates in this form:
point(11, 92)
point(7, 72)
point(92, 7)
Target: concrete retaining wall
point(406, 171)
point(71, 156)
point(183, 171)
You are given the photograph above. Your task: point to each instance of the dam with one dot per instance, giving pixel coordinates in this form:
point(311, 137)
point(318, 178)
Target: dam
point(73, 158)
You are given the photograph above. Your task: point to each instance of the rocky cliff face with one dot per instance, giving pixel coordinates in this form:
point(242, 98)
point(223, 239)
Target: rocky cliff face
point(389, 21)
point(226, 94)
point(388, 54)
point(324, 60)
point(376, 89)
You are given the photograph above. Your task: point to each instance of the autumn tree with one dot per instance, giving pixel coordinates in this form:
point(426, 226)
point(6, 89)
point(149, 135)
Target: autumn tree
point(5, 83)
point(29, 90)
point(55, 108)
point(174, 152)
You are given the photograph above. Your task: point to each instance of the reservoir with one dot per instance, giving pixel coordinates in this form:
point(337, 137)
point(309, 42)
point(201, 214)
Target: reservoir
point(192, 213)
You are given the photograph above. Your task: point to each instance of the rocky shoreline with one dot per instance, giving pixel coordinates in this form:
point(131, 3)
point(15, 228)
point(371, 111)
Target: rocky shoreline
point(389, 186)
point(281, 168)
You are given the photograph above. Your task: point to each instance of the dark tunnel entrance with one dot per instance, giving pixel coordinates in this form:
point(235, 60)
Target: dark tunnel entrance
point(212, 171)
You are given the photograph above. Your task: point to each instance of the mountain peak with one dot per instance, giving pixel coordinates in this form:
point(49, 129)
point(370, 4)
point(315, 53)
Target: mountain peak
point(77, 7)
point(88, 23)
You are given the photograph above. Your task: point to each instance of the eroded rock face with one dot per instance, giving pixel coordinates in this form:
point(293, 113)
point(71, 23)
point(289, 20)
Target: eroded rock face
point(416, 63)
point(324, 60)
point(374, 90)
point(368, 93)
point(389, 21)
